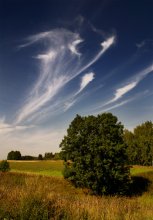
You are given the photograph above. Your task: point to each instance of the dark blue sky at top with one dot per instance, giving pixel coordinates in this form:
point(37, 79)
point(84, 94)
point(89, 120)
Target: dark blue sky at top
point(129, 21)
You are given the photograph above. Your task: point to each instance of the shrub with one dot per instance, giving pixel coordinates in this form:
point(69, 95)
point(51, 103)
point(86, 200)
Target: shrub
point(4, 166)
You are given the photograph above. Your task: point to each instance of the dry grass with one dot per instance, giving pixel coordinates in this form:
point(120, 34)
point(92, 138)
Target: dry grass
point(31, 197)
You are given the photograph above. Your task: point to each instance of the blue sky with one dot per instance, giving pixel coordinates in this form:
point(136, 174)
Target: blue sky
point(62, 58)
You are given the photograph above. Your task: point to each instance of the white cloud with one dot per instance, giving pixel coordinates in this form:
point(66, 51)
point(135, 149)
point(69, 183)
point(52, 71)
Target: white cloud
point(73, 47)
point(35, 102)
point(123, 90)
point(117, 105)
point(124, 102)
point(58, 67)
point(69, 104)
point(35, 38)
point(106, 44)
point(6, 128)
point(47, 57)
point(120, 92)
point(86, 79)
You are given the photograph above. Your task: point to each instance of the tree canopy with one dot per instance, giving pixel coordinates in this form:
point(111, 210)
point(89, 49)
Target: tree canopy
point(14, 155)
point(95, 154)
point(40, 157)
point(140, 144)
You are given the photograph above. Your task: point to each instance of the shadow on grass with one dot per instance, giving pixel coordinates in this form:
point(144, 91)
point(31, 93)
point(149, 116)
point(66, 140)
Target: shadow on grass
point(139, 185)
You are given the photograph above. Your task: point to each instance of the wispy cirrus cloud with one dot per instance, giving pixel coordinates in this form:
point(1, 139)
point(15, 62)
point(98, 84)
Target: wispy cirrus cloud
point(6, 128)
point(60, 62)
point(85, 80)
point(121, 91)
point(144, 43)
point(51, 55)
point(73, 47)
point(122, 103)
point(34, 38)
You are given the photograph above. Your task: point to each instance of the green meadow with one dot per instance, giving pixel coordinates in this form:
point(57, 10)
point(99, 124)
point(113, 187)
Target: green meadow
point(141, 169)
point(34, 191)
point(48, 168)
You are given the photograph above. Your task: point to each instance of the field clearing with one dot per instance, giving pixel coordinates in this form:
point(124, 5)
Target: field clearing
point(55, 167)
point(36, 197)
point(141, 169)
point(47, 168)
point(45, 197)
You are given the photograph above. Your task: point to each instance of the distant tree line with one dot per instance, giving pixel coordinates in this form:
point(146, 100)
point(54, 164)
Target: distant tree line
point(16, 155)
point(52, 156)
point(139, 147)
point(140, 144)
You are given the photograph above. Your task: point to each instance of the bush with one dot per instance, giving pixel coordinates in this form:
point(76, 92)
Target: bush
point(4, 166)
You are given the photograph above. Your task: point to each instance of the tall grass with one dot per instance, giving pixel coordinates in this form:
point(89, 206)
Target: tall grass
point(31, 197)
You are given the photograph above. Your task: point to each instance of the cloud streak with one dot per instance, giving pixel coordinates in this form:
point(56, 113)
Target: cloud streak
point(60, 63)
point(6, 128)
point(85, 80)
point(121, 91)
point(122, 103)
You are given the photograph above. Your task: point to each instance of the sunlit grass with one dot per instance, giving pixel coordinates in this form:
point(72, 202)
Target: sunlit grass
point(54, 168)
point(48, 168)
point(141, 169)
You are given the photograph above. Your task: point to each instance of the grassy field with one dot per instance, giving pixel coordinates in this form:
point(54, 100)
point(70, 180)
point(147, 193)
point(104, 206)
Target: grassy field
point(35, 197)
point(49, 168)
point(141, 169)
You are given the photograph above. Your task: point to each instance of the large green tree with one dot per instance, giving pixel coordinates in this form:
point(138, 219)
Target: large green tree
point(95, 154)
